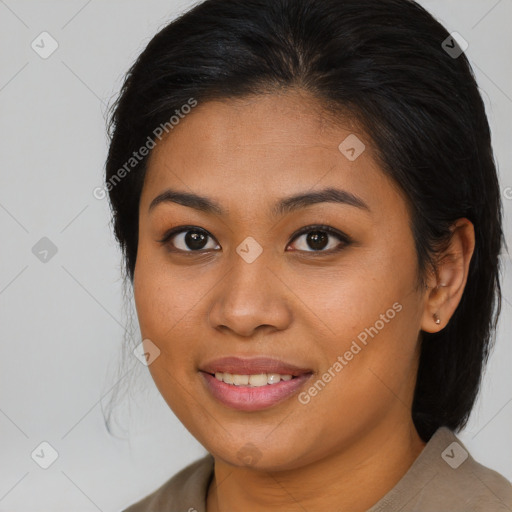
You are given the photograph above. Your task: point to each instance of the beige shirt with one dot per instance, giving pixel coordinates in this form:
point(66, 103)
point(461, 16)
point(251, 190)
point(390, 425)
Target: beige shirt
point(444, 478)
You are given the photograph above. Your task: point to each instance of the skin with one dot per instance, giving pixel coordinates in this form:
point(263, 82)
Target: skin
point(355, 439)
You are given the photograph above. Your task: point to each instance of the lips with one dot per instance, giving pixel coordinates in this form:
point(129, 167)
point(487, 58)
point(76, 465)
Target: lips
point(252, 399)
point(252, 366)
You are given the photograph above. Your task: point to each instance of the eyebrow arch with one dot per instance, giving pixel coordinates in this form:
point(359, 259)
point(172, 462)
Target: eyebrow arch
point(286, 205)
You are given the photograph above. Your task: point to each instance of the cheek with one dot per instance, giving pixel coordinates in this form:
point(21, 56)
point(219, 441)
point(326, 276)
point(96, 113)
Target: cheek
point(162, 319)
point(149, 298)
point(354, 296)
point(373, 313)
point(167, 307)
point(369, 373)
point(160, 298)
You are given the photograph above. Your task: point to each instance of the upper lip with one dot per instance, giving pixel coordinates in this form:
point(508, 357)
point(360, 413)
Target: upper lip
point(252, 366)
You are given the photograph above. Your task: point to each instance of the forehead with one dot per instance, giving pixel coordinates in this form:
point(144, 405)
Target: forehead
point(256, 124)
point(262, 146)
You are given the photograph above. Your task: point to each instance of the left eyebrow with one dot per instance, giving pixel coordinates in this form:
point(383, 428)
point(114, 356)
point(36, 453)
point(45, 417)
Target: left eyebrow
point(285, 205)
point(327, 195)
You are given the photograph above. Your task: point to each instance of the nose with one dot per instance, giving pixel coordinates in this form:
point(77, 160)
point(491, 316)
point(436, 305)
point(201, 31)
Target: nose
point(250, 297)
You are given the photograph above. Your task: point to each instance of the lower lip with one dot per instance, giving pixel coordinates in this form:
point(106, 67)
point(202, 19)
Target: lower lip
point(245, 398)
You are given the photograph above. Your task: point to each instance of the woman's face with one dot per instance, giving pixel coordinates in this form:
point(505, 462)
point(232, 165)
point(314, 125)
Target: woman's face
point(241, 281)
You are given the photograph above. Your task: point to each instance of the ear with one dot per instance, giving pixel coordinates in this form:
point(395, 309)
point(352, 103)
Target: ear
point(444, 288)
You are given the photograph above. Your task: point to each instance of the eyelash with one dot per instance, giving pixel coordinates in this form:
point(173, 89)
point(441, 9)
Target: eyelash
point(344, 239)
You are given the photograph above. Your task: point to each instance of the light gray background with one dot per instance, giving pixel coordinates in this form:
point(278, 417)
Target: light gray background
point(63, 321)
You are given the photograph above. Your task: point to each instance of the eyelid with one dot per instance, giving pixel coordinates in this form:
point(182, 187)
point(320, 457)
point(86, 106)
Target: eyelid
point(321, 227)
point(345, 239)
point(180, 229)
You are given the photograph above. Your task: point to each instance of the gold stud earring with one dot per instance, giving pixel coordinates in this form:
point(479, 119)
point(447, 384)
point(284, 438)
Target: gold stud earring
point(437, 319)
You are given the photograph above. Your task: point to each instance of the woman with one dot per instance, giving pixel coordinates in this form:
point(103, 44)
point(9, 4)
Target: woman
point(305, 195)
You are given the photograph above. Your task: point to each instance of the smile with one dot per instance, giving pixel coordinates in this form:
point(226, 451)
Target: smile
point(258, 380)
point(253, 392)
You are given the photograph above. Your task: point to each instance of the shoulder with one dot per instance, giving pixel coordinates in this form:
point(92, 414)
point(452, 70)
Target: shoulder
point(446, 478)
point(186, 490)
point(477, 487)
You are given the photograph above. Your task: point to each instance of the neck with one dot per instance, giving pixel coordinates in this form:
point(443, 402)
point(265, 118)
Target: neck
point(352, 479)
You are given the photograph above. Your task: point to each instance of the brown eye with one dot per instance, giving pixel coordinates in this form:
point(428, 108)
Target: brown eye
point(319, 238)
point(189, 240)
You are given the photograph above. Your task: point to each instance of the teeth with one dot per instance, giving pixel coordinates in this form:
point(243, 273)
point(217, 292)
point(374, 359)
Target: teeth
point(258, 380)
point(240, 380)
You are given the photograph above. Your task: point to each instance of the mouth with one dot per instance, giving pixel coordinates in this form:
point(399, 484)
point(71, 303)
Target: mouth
point(253, 366)
point(255, 380)
point(253, 384)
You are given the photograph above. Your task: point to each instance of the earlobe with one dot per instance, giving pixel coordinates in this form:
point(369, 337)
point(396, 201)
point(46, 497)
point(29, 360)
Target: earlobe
point(436, 299)
point(445, 288)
